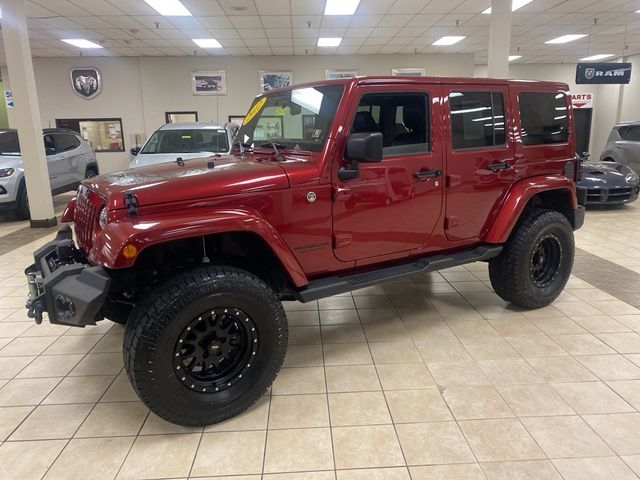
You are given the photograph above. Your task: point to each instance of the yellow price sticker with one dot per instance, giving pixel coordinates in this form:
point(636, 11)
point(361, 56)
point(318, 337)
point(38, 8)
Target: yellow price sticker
point(254, 110)
point(280, 111)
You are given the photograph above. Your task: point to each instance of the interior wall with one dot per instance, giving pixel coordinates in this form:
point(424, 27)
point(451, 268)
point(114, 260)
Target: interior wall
point(141, 90)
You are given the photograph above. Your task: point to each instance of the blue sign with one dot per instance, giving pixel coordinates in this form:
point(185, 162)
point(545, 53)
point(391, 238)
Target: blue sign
point(603, 73)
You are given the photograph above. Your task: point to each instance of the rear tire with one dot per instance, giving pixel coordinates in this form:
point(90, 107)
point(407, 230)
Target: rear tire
point(91, 172)
point(22, 203)
point(206, 345)
point(536, 262)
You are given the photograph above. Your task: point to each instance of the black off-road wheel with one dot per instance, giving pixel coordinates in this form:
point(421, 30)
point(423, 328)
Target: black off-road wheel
point(536, 262)
point(206, 345)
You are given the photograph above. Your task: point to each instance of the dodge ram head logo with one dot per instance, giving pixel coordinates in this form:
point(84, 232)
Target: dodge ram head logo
point(589, 73)
point(86, 82)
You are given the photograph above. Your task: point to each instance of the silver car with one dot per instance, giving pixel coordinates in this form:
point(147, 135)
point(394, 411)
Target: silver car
point(184, 140)
point(623, 145)
point(70, 160)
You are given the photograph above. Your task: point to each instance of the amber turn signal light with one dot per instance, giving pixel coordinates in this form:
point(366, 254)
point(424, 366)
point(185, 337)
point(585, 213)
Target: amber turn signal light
point(129, 251)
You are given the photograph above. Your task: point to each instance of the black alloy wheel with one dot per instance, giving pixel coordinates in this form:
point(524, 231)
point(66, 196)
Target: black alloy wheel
point(546, 260)
point(215, 349)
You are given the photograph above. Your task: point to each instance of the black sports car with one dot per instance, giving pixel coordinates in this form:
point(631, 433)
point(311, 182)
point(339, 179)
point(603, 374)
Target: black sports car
point(608, 183)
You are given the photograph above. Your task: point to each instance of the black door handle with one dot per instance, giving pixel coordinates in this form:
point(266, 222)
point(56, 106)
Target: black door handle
point(422, 174)
point(499, 166)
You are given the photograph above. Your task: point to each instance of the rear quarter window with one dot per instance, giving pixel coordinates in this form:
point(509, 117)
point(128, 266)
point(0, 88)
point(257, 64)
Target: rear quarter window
point(543, 118)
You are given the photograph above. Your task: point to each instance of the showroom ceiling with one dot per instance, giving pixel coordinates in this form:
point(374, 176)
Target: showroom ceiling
point(286, 27)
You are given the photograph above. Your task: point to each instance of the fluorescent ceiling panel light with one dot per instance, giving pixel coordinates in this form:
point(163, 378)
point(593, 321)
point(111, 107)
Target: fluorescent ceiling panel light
point(448, 40)
point(600, 56)
point(169, 8)
point(515, 5)
point(329, 41)
point(206, 42)
point(80, 43)
point(341, 7)
point(567, 38)
point(514, 57)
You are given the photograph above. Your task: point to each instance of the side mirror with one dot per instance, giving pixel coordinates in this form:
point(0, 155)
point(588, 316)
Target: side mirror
point(364, 147)
point(134, 151)
point(50, 151)
point(361, 147)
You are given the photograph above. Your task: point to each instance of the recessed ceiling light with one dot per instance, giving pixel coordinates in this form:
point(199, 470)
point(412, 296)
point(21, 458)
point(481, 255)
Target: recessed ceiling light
point(600, 56)
point(448, 40)
point(329, 41)
point(169, 8)
point(341, 7)
point(514, 57)
point(515, 5)
point(206, 42)
point(80, 43)
point(238, 8)
point(567, 38)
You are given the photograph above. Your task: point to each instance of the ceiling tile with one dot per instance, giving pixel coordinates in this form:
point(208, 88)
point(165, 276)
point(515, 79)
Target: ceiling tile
point(273, 7)
point(307, 7)
point(245, 21)
point(203, 7)
point(276, 21)
point(238, 7)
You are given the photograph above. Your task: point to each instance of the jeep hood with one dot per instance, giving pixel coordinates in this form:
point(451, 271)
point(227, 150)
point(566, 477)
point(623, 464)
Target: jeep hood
point(170, 182)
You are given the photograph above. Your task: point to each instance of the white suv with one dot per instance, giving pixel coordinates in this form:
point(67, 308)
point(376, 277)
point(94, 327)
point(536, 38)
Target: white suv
point(70, 160)
point(184, 140)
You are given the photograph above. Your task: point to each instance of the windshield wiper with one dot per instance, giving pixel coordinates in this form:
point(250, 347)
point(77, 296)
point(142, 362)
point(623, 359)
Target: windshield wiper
point(242, 146)
point(275, 147)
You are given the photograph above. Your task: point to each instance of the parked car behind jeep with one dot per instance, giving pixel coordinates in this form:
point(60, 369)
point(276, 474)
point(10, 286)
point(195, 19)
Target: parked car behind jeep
point(70, 160)
point(371, 179)
point(184, 140)
point(623, 145)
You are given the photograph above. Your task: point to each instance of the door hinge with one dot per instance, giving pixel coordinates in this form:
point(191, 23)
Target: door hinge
point(131, 202)
point(341, 193)
point(453, 180)
point(342, 240)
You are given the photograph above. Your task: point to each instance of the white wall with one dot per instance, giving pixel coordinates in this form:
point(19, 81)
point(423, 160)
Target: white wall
point(141, 90)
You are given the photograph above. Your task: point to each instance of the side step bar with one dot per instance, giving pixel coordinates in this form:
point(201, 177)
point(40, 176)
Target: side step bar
point(328, 286)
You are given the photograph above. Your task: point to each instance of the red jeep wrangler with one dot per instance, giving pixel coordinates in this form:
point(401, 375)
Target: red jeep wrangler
point(332, 186)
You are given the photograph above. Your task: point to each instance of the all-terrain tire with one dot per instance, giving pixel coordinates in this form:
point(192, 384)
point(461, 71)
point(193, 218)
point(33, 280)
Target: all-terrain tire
point(22, 203)
point(536, 262)
point(154, 352)
point(91, 172)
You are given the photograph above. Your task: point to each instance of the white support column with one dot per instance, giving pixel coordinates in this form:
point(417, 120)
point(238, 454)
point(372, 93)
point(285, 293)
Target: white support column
point(499, 39)
point(26, 114)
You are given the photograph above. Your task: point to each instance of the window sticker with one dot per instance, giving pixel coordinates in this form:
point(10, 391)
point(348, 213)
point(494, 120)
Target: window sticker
point(254, 110)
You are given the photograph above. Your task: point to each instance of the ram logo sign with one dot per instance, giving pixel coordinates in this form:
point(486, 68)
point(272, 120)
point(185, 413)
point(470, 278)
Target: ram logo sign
point(603, 73)
point(86, 82)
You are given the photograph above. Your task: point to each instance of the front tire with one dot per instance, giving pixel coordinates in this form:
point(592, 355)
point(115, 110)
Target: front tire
point(536, 262)
point(206, 345)
point(23, 211)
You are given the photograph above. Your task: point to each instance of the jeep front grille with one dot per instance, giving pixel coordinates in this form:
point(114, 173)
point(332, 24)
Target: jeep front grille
point(88, 205)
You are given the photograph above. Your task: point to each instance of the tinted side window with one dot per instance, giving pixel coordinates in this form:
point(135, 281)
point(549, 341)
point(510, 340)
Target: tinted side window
point(402, 118)
point(543, 117)
point(631, 134)
point(66, 142)
point(477, 119)
point(50, 145)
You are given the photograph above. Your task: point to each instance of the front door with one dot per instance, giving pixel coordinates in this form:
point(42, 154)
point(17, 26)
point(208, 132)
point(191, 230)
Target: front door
point(391, 206)
point(479, 159)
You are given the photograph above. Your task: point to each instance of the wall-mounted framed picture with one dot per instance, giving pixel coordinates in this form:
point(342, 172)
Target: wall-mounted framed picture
point(268, 127)
point(408, 72)
point(272, 80)
point(180, 117)
point(333, 74)
point(209, 82)
point(237, 119)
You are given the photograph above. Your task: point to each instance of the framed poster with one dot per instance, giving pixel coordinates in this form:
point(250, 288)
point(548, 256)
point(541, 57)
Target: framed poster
point(237, 119)
point(268, 127)
point(209, 83)
point(408, 72)
point(272, 80)
point(180, 117)
point(334, 74)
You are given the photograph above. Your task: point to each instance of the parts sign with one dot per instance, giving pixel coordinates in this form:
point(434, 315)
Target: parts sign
point(582, 100)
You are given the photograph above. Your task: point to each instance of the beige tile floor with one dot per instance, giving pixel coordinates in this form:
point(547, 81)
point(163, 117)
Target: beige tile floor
point(431, 377)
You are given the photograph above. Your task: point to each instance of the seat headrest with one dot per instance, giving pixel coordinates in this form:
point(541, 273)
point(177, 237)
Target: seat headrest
point(413, 117)
point(364, 122)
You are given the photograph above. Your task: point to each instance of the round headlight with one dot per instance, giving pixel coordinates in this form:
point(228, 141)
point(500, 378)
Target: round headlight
point(102, 219)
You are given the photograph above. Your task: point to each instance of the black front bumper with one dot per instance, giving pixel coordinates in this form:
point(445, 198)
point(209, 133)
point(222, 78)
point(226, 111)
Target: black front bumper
point(63, 285)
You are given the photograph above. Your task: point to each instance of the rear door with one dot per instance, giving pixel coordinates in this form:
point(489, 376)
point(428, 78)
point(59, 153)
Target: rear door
point(479, 158)
point(391, 206)
point(70, 157)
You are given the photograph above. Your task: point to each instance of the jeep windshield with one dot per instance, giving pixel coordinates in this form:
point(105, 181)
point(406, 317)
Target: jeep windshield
point(197, 140)
point(294, 119)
